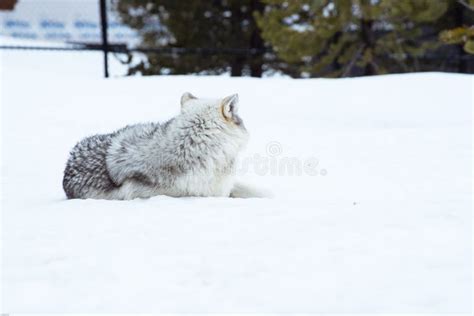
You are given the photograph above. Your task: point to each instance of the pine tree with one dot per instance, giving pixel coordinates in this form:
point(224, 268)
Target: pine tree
point(350, 37)
point(462, 34)
point(226, 29)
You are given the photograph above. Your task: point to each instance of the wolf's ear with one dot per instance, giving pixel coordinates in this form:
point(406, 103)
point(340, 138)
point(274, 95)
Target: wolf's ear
point(186, 97)
point(229, 105)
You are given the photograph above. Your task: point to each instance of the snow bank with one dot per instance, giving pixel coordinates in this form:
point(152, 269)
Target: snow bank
point(372, 208)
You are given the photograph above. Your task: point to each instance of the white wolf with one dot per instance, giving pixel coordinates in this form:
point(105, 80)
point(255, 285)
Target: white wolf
point(193, 154)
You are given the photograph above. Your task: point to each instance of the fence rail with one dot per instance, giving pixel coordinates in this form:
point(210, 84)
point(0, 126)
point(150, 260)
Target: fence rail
point(114, 48)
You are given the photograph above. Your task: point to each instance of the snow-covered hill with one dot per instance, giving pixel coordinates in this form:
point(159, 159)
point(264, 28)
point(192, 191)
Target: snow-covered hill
point(372, 207)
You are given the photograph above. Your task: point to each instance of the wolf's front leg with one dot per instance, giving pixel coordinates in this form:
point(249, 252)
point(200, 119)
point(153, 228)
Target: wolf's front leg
point(244, 191)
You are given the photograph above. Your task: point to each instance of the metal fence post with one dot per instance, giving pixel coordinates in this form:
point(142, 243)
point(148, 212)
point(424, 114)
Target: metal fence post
point(105, 41)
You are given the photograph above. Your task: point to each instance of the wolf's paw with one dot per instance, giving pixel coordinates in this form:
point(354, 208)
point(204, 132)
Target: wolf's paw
point(244, 191)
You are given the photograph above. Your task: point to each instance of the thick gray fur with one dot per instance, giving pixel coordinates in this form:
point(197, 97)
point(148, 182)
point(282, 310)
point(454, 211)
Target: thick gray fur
point(192, 154)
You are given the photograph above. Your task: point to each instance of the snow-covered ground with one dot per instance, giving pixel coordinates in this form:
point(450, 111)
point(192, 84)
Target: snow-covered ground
point(375, 215)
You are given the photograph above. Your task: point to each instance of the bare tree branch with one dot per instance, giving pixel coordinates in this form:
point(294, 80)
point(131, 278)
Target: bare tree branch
point(467, 5)
point(355, 57)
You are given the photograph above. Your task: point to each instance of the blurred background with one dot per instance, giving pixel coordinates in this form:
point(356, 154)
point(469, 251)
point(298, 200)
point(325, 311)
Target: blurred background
point(299, 38)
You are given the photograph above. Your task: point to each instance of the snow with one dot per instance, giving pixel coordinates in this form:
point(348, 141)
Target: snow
point(59, 21)
point(379, 220)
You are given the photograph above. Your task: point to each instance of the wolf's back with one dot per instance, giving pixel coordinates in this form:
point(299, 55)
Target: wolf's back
point(86, 174)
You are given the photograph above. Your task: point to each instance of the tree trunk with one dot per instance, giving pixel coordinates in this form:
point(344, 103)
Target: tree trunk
point(256, 41)
point(256, 70)
point(7, 5)
point(237, 67)
point(462, 65)
point(368, 40)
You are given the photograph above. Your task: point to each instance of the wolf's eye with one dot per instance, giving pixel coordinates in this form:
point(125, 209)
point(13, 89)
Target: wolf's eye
point(237, 120)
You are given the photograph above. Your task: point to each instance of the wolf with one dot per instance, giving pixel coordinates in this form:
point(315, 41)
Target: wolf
point(192, 154)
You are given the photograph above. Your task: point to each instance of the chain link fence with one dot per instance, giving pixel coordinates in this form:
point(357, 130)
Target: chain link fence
point(90, 25)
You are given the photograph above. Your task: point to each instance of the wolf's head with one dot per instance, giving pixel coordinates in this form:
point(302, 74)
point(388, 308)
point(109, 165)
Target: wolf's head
point(216, 112)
